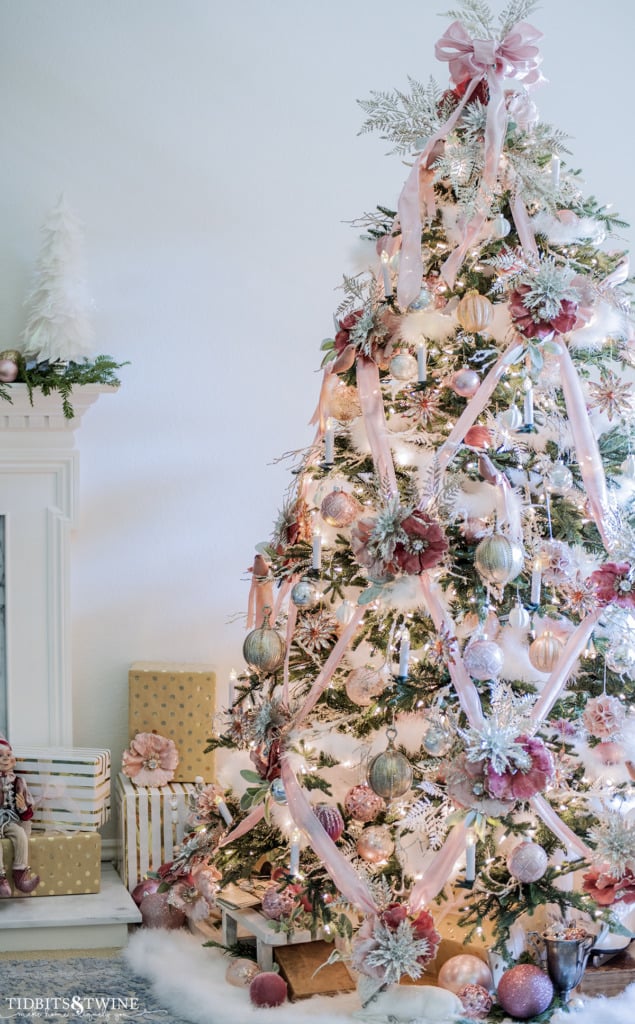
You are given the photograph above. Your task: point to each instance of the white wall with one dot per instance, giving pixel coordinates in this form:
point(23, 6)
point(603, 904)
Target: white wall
point(211, 150)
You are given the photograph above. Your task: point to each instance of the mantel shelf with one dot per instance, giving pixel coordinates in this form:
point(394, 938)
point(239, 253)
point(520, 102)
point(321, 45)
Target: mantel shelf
point(46, 413)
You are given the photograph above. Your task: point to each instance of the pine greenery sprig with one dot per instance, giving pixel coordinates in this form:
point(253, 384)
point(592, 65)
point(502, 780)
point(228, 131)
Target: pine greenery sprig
point(52, 378)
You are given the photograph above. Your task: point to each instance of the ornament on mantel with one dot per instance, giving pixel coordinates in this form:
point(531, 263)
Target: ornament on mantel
point(58, 326)
point(340, 508)
point(264, 648)
point(545, 650)
point(390, 773)
point(9, 365)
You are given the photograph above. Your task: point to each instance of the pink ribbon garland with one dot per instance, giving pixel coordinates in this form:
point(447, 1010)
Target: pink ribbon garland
point(555, 823)
point(370, 396)
point(260, 593)
point(467, 693)
point(324, 677)
point(321, 413)
point(523, 227)
point(348, 882)
point(245, 826)
point(586, 444)
point(557, 680)
point(439, 871)
point(292, 616)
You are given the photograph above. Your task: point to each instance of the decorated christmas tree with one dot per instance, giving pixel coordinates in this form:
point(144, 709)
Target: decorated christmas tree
point(434, 730)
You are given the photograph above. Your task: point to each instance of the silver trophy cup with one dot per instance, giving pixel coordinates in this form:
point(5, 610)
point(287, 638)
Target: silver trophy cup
point(566, 962)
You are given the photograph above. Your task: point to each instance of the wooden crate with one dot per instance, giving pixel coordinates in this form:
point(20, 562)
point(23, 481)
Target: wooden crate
point(70, 787)
point(151, 822)
point(298, 965)
point(177, 701)
point(612, 977)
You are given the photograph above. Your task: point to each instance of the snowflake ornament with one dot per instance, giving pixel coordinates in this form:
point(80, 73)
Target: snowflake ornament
point(614, 841)
point(611, 395)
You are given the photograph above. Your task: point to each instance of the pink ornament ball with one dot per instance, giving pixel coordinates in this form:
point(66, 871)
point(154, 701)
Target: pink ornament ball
point(144, 888)
point(464, 969)
point(276, 904)
point(527, 862)
point(330, 819)
point(8, 371)
point(525, 991)
point(465, 382)
point(476, 1000)
point(268, 989)
point(156, 912)
point(609, 752)
point(363, 804)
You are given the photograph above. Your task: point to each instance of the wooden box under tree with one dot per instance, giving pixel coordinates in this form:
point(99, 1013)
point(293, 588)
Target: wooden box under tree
point(178, 701)
point(151, 822)
point(298, 966)
point(612, 977)
point(68, 865)
point(70, 787)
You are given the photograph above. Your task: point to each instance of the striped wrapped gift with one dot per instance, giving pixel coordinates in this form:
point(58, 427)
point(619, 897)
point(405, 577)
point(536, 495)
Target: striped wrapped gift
point(70, 787)
point(152, 821)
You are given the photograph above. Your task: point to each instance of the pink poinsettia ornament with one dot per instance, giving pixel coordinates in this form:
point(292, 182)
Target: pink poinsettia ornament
point(518, 784)
point(613, 584)
point(606, 889)
point(150, 760)
point(530, 325)
point(425, 547)
point(195, 893)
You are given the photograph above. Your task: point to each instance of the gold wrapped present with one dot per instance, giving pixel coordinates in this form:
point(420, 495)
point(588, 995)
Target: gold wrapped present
point(177, 701)
point(151, 823)
point(70, 787)
point(68, 865)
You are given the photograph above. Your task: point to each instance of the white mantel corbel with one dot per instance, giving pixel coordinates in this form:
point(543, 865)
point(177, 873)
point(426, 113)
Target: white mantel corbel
point(39, 483)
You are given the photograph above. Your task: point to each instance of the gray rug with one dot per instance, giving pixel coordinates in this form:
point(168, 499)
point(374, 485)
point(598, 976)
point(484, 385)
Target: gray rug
point(83, 989)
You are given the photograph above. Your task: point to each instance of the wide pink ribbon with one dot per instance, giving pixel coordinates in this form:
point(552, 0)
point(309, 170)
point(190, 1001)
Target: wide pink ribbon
point(292, 615)
point(260, 593)
point(438, 872)
point(586, 445)
point(329, 380)
point(346, 878)
point(324, 677)
point(245, 825)
point(562, 670)
point(467, 693)
point(555, 823)
point(523, 227)
point(372, 403)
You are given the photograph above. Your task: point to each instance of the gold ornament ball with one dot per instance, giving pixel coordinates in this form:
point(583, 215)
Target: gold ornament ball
point(464, 969)
point(474, 312)
point(544, 651)
point(363, 685)
point(241, 972)
point(390, 774)
point(264, 648)
point(375, 844)
point(9, 365)
point(497, 559)
point(403, 366)
point(340, 508)
point(344, 404)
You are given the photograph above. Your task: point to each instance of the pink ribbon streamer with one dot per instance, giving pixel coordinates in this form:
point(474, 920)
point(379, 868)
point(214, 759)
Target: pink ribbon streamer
point(523, 227)
point(557, 680)
point(555, 823)
point(321, 412)
point(292, 616)
point(467, 693)
point(349, 883)
point(245, 826)
point(370, 396)
point(586, 444)
point(260, 593)
point(324, 677)
point(439, 871)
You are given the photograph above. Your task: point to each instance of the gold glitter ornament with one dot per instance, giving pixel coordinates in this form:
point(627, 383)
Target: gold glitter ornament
point(343, 403)
point(474, 312)
point(544, 651)
point(375, 844)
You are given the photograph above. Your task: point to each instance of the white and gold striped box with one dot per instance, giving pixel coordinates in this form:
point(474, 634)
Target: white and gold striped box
point(151, 823)
point(70, 787)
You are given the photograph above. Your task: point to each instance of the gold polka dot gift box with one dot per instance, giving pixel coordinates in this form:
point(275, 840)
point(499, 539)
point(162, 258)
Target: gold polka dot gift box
point(176, 701)
point(68, 864)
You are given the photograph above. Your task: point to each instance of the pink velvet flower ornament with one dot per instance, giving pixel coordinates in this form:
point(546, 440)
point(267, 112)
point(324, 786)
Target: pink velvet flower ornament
point(613, 584)
point(150, 760)
point(522, 785)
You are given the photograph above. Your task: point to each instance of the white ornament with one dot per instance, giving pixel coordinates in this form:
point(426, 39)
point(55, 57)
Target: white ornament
point(403, 367)
point(511, 419)
point(519, 617)
point(501, 227)
point(483, 659)
point(559, 477)
point(527, 862)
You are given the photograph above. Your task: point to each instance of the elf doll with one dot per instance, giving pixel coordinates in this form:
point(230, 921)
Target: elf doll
point(16, 811)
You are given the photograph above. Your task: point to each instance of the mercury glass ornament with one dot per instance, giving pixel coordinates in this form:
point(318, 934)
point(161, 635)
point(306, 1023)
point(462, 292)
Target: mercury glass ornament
point(278, 793)
point(545, 650)
point(476, 1001)
point(375, 844)
point(390, 773)
point(474, 312)
point(483, 659)
point(423, 301)
point(559, 477)
point(156, 912)
point(437, 741)
point(241, 972)
point(305, 594)
point(9, 365)
point(465, 382)
point(496, 559)
point(620, 658)
point(500, 227)
point(339, 508)
point(264, 648)
point(527, 862)
point(403, 366)
point(464, 969)
point(364, 684)
point(362, 804)
point(511, 419)
point(519, 617)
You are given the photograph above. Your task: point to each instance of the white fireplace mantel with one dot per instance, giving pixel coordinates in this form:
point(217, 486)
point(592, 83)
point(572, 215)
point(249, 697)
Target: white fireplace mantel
point(39, 482)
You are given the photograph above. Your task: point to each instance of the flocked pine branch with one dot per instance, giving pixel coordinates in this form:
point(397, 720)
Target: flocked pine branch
point(406, 119)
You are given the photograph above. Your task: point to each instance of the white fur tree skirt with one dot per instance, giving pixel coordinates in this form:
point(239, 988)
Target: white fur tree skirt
point(189, 980)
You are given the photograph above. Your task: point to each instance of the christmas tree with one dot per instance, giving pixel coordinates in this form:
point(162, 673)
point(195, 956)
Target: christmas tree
point(434, 728)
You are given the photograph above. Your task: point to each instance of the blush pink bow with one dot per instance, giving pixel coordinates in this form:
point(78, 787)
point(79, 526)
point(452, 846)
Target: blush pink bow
point(514, 57)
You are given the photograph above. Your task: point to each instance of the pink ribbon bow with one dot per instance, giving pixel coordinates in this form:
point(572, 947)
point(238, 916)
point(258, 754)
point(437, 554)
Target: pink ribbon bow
point(471, 60)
